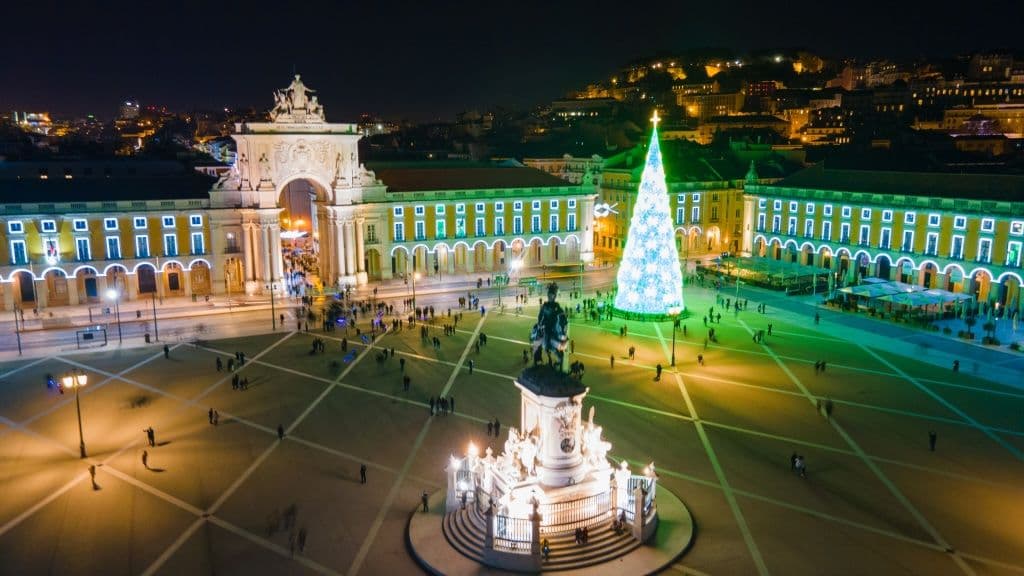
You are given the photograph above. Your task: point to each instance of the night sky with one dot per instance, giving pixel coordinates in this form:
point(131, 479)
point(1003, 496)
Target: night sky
point(423, 60)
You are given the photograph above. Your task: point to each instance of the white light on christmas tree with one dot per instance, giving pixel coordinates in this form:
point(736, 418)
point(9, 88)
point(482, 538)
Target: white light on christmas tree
point(649, 278)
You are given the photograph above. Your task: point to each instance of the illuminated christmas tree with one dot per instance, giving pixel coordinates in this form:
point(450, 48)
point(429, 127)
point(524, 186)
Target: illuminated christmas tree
point(649, 280)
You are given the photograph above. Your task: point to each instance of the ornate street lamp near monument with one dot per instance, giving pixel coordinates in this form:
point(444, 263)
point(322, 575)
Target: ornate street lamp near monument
point(114, 295)
point(77, 379)
point(673, 313)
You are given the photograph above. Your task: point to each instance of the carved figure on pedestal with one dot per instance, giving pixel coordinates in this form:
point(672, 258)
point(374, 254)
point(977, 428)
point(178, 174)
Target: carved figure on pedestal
point(551, 332)
point(264, 168)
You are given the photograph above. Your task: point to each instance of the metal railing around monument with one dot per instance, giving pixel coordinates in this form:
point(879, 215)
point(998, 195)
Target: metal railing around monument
point(513, 534)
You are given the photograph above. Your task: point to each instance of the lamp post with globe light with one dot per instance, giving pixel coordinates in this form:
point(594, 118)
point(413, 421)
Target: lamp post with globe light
point(116, 297)
point(673, 313)
point(76, 380)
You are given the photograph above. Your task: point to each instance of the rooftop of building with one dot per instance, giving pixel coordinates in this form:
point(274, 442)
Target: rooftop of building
point(98, 181)
point(433, 176)
point(970, 186)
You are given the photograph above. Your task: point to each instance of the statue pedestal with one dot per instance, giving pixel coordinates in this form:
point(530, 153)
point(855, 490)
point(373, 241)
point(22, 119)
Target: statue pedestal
point(551, 413)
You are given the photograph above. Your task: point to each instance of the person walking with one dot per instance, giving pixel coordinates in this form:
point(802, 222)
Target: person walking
point(657, 376)
point(280, 432)
point(451, 404)
point(490, 428)
point(828, 408)
point(572, 346)
point(145, 459)
point(700, 359)
point(362, 473)
point(932, 438)
point(497, 428)
point(424, 499)
point(151, 437)
point(220, 364)
point(471, 364)
point(401, 364)
point(611, 360)
point(769, 329)
point(209, 415)
point(92, 476)
point(167, 351)
point(302, 534)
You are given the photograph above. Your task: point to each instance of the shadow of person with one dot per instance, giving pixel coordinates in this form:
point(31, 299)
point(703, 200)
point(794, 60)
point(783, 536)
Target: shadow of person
point(164, 443)
point(158, 470)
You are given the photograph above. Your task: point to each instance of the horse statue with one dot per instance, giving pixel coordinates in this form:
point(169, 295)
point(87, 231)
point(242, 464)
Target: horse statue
point(551, 332)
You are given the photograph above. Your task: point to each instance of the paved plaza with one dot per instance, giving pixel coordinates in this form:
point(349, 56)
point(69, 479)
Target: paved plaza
point(230, 498)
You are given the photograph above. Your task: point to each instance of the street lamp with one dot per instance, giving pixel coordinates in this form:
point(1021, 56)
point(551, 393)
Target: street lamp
point(76, 380)
point(273, 312)
point(415, 277)
point(514, 267)
point(673, 313)
point(116, 297)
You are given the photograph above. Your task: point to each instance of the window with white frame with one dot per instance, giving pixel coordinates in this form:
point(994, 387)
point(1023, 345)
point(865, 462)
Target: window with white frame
point(480, 207)
point(399, 235)
point(1013, 254)
point(197, 243)
point(439, 210)
point(847, 211)
point(19, 255)
point(985, 250)
point(680, 198)
point(844, 232)
point(695, 214)
point(777, 205)
point(110, 223)
point(761, 218)
point(478, 227)
point(960, 222)
point(988, 225)
point(865, 213)
point(419, 210)
point(956, 250)
point(517, 225)
point(517, 206)
point(762, 203)
point(808, 228)
point(142, 246)
point(168, 221)
point(886, 215)
point(82, 251)
point(696, 198)
point(499, 207)
point(398, 211)
point(571, 203)
point(139, 222)
point(113, 248)
point(170, 244)
point(908, 241)
point(51, 250)
point(793, 207)
point(1017, 228)
point(931, 244)
point(826, 231)
point(460, 227)
point(439, 231)
point(909, 217)
point(15, 227)
point(460, 208)
point(535, 205)
point(80, 225)
point(776, 223)
point(934, 219)
point(826, 210)
point(420, 228)
point(195, 220)
point(885, 238)
point(499, 225)
point(553, 223)
point(553, 204)
point(535, 223)
point(681, 215)
point(570, 223)
point(791, 226)
point(48, 225)
point(865, 236)
point(809, 208)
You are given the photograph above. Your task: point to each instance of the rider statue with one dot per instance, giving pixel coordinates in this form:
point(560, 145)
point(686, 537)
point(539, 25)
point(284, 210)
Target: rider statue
point(551, 332)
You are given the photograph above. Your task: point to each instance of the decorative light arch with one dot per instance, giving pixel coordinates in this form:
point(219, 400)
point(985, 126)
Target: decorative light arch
point(807, 244)
point(198, 260)
point(789, 243)
point(163, 267)
point(760, 237)
point(981, 269)
point(51, 269)
point(823, 247)
point(902, 259)
point(110, 266)
point(85, 267)
point(1008, 274)
point(479, 242)
point(444, 245)
point(856, 255)
point(315, 178)
point(464, 245)
point(141, 264)
point(957, 266)
point(395, 249)
point(925, 262)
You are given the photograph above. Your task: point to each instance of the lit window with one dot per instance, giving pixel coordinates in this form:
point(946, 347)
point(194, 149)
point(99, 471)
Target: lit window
point(571, 203)
point(170, 245)
point(139, 222)
point(480, 207)
point(197, 243)
point(110, 223)
point(399, 232)
point(439, 209)
point(553, 223)
point(478, 227)
point(777, 205)
point(517, 206)
point(398, 211)
point(696, 198)
point(571, 222)
point(439, 230)
point(168, 221)
point(960, 222)
point(847, 211)
point(421, 230)
point(792, 206)
point(1017, 228)
point(19, 255)
point(934, 219)
point(499, 207)
point(886, 215)
point(988, 224)
point(865, 213)
point(49, 225)
point(80, 225)
point(142, 246)
point(809, 208)
point(827, 210)
point(762, 203)
point(195, 220)
point(1013, 254)
point(460, 208)
point(536, 205)
point(419, 210)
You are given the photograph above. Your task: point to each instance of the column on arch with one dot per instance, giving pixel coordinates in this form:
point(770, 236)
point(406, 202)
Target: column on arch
point(360, 246)
point(350, 248)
